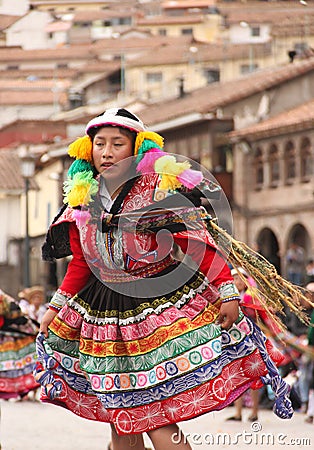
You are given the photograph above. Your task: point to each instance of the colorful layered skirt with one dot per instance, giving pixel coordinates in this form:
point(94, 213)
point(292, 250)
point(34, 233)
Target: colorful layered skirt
point(145, 362)
point(17, 360)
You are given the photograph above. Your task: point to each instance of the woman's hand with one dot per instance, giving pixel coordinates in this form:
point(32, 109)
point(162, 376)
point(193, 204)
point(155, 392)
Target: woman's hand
point(228, 314)
point(47, 318)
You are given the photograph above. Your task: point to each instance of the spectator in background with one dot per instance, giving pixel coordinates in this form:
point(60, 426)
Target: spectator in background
point(23, 302)
point(309, 271)
point(307, 373)
point(248, 305)
point(37, 302)
point(299, 331)
point(310, 407)
point(295, 263)
point(252, 308)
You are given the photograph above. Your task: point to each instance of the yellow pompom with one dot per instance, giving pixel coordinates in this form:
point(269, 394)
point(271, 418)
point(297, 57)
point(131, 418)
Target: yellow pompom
point(80, 195)
point(81, 149)
point(168, 165)
point(169, 182)
point(151, 135)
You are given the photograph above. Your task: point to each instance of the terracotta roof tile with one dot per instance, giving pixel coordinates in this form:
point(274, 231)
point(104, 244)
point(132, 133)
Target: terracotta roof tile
point(16, 54)
point(175, 4)
point(294, 28)
point(271, 16)
point(41, 84)
point(65, 3)
point(207, 52)
point(280, 15)
point(24, 92)
point(10, 172)
point(93, 15)
point(297, 118)
point(138, 43)
point(104, 67)
point(61, 74)
point(260, 6)
point(170, 20)
point(40, 97)
point(217, 95)
point(35, 74)
point(6, 21)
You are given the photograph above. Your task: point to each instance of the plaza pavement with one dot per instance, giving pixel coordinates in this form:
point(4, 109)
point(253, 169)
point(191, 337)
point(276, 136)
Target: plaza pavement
point(36, 426)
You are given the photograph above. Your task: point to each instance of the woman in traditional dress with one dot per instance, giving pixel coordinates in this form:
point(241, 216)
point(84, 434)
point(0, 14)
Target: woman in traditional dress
point(132, 336)
point(17, 350)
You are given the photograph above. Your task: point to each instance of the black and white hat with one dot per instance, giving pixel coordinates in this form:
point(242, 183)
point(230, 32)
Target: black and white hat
point(116, 117)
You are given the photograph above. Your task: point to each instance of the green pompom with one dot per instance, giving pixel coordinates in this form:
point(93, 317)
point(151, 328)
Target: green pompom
point(79, 165)
point(147, 144)
point(79, 189)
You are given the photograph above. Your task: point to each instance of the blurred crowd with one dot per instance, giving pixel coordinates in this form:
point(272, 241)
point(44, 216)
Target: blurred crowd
point(19, 325)
point(295, 341)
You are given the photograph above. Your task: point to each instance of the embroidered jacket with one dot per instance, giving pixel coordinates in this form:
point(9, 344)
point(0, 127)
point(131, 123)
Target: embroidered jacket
point(118, 254)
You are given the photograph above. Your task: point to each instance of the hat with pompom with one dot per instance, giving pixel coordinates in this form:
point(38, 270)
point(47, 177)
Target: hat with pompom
point(148, 149)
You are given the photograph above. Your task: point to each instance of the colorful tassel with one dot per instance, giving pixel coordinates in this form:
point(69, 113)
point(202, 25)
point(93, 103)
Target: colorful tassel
point(168, 168)
point(79, 165)
point(190, 178)
point(147, 163)
point(81, 149)
point(147, 135)
point(169, 182)
point(168, 165)
point(78, 191)
point(81, 217)
point(144, 148)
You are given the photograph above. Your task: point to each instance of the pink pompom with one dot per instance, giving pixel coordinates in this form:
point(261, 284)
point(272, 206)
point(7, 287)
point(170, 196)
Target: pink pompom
point(81, 217)
point(146, 165)
point(190, 178)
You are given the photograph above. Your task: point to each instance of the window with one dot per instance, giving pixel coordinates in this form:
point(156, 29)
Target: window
point(187, 31)
point(306, 160)
point(300, 47)
point(290, 163)
point(212, 75)
point(12, 67)
point(75, 99)
point(162, 32)
point(274, 165)
point(248, 68)
point(255, 31)
point(258, 168)
point(220, 158)
point(125, 21)
point(154, 77)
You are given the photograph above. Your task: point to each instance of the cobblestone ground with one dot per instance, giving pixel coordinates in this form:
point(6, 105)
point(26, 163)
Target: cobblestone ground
point(35, 426)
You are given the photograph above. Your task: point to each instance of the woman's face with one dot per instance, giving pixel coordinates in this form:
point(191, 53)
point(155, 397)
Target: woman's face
point(112, 151)
point(240, 285)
